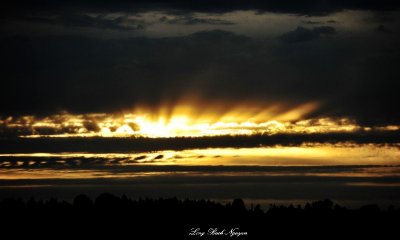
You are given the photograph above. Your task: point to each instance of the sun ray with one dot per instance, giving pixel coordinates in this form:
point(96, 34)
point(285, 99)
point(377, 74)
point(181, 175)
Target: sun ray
point(189, 119)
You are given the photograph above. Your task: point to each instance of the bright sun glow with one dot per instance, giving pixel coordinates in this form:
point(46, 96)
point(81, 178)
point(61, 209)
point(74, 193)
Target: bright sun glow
point(184, 120)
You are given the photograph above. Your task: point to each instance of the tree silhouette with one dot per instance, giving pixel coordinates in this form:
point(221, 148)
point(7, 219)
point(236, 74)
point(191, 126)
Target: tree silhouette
point(172, 217)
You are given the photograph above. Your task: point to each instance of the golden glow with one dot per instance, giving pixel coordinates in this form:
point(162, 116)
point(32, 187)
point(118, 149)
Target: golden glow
point(303, 155)
point(194, 120)
point(340, 160)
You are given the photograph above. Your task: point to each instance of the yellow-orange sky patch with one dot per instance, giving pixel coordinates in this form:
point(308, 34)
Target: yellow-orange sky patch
point(190, 118)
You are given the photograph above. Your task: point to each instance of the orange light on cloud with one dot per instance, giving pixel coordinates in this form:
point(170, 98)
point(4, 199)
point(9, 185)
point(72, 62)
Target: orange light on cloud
point(185, 120)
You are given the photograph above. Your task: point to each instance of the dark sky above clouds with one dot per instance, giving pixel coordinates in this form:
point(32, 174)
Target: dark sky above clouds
point(107, 56)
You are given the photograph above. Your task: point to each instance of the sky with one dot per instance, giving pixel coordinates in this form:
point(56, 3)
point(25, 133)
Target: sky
point(259, 98)
point(330, 59)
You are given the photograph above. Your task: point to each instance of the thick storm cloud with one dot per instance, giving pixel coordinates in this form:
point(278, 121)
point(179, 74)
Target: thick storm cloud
point(349, 68)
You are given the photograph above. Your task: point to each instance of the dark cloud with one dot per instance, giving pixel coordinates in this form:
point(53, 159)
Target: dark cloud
point(143, 144)
point(87, 21)
point(91, 125)
point(45, 75)
point(306, 7)
point(350, 74)
point(118, 23)
point(83, 74)
point(381, 18)
point(191, 20)
point(370, 101)
point(301, 34)
point(383, 29)
point(324, 30)
point(311, 22)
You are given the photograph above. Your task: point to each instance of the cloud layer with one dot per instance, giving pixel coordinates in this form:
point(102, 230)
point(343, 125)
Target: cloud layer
point(302, 34)
point(309, 7)
point(70, 56)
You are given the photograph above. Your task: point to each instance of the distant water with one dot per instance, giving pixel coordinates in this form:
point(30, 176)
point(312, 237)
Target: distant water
point(358, 173)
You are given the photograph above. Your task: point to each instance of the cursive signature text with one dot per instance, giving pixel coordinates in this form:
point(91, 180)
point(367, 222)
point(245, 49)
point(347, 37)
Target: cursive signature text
point(232, 232)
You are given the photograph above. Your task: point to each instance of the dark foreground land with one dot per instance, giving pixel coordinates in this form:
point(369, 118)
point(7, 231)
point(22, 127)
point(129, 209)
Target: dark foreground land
point(113, 217)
